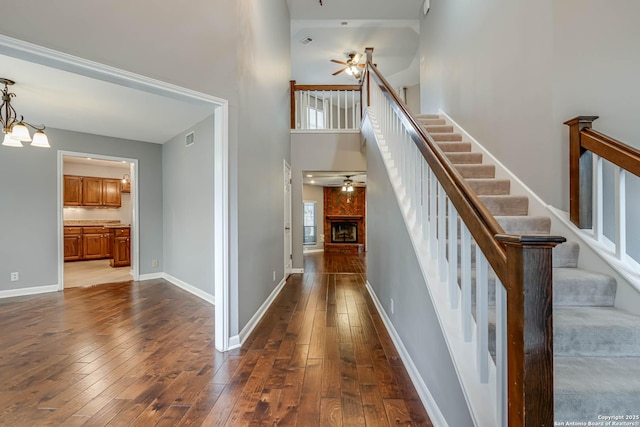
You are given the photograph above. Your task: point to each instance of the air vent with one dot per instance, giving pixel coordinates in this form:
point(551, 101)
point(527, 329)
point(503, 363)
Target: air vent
point(306, 40)
point(189, 139)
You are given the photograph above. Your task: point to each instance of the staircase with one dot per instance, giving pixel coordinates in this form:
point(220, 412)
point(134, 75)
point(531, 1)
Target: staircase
point(596, 346)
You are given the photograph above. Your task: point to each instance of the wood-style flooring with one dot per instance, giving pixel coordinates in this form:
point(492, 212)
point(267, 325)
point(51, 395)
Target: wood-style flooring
point(142, 354)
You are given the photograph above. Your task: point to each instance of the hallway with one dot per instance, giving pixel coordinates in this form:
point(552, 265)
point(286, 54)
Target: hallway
point(141, 353)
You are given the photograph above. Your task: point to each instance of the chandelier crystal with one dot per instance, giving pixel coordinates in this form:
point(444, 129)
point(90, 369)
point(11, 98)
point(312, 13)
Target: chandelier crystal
point(16, 130)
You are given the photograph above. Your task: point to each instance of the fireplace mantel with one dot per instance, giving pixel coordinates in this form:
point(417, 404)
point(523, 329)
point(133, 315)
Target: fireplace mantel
point(343, 217)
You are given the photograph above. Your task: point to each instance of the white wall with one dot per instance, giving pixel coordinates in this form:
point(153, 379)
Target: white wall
point(319, 152)
point(117, 170)
point(188, 213)
point(315, 193)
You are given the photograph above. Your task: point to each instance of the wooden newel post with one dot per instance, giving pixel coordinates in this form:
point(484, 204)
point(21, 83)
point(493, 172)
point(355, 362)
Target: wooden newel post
point(369, 53)
point(292, 97)
point(530, 329)
point(580, 174)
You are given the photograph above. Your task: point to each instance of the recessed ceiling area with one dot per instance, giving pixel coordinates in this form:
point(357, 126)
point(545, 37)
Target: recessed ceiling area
point(64, 100)
point(333, 179)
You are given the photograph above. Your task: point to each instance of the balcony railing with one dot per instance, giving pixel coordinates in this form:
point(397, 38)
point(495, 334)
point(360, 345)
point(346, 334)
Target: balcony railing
point(326, 108)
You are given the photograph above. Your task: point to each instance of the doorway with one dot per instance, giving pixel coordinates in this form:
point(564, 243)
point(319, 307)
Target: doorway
point(288, 251)
point(97, 202)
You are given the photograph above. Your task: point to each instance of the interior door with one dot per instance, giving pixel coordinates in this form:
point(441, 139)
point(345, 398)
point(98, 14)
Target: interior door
point(288, 253)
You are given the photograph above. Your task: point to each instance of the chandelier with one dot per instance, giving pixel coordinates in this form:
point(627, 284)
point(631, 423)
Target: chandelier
point(16, 131)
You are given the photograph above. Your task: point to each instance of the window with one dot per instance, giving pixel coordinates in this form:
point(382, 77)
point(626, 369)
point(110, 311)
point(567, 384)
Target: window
point(315, 118)
point(309, 223)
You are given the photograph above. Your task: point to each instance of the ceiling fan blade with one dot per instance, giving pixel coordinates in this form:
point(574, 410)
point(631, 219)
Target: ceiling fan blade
point(338, 62)
point(361, 65)
point(338, 72)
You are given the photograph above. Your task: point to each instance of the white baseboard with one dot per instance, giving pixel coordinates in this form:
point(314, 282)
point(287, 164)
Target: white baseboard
point(237, 340)
point(190, 288)
point(150, 276)
point(297, 271)
point(29, 291)
point(425, 395)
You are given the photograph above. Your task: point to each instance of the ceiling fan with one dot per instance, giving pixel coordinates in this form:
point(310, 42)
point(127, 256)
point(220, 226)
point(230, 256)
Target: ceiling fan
point(352, 66)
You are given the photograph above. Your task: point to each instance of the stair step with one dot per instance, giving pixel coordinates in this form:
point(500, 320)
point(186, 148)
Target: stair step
point(586, 387)
point(439, 128)
point(432, 122)
point(566, 255)
point(490, 186)
point(465, 158)
point(446, 136)
point(427, 116)
point(454, 146)
point(595, 332)
point(575, 287)
point(525, 224)
point(506, 205)
point(477, 171)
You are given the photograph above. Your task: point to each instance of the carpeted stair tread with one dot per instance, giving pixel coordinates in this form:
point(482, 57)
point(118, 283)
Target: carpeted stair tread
point(454, 146)
point(427, 116)
point(595, 331)
point(477, 171)
point(566, 255)
point(432, 122)
point(465, 158)
point(586, 387)
point(446, 136)
point(439, 128)
point(525, 224)
point(506, 205)
point(577, 287)
point(490, 186)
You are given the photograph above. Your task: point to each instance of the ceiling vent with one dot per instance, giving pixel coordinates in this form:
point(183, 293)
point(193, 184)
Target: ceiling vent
point(189, 139)
point(306, 40)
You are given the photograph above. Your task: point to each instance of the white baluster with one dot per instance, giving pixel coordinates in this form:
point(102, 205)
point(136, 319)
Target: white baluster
point(433, 219)
point(426, 171)
point(598, 203)
point(482, 316)
point(465, 273)
point(442, 233)
point(621, 212)
point(453, 256)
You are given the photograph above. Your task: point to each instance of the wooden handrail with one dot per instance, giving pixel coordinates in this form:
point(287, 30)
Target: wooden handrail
point(524, 266)
point(583, 143)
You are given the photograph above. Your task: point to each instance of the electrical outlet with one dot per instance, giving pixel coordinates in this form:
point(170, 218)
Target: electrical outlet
point(274, 275)
point(15, 276)
point(154, 263)
point(392, 307)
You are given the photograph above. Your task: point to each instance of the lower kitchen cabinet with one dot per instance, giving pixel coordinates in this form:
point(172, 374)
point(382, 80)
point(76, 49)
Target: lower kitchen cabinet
point(121, 256)
point(72, 243)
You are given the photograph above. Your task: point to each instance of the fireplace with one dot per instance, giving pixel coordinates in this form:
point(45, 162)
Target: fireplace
point(344, 232)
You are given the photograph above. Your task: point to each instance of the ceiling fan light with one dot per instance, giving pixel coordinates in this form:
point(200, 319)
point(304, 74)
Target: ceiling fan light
point(40, 140)
point(349, 188)
point(10, 142)
point(20, 132)
point(344, 188)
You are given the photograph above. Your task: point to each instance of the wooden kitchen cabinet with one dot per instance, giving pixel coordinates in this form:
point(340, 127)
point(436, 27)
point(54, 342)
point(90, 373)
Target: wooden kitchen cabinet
point(72, 243)
point(100, 192)
point(111, 192)
point(95, 242)
point(121, 248)
point(72, 190)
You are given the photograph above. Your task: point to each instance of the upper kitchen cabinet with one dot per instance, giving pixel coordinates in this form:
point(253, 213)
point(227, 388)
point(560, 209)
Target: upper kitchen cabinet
point(72, 190)
point(93, 191)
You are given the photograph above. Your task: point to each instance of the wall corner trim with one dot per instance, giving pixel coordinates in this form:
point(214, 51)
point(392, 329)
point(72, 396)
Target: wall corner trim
point(426, 397)
point(189, 288)
point(29, 291)
point(253, 322)
point(297, 271)
point(151, 276)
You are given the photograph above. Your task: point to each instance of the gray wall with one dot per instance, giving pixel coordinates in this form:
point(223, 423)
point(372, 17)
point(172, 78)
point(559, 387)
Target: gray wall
point(315, 193)
point(393, 272)
point(263, 144)
point(319, 152)
point(28, 189)
point(512, 72)
point(188, 233)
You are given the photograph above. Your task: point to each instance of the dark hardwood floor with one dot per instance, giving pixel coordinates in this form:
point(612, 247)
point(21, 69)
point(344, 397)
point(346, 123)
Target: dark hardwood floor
point(142, 354)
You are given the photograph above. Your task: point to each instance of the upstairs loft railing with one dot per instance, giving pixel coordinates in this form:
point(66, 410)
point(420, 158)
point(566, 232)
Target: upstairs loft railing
point(471, 252)
point(588, 152)
point(332, 108)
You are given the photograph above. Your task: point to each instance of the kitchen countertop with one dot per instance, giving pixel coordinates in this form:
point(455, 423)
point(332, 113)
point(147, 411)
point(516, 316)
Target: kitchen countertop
point(95, 223)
